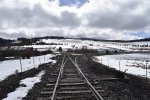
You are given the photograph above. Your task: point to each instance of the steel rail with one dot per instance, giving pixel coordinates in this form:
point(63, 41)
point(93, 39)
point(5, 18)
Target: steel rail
point(94, 91)
point(58, 79)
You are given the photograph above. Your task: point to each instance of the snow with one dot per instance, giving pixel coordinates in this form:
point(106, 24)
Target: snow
point(54, 44)
point(21, 92)
point(9, 67)
point(99, 45)
point(134, 63)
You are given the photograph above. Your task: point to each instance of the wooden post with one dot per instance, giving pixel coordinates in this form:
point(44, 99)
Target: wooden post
point(146, 75)
point(20, 64)
point(119, 65)
point(108, 63)
point(33, 62)
point(39, 60)
point(33, 58)
point(44, 58)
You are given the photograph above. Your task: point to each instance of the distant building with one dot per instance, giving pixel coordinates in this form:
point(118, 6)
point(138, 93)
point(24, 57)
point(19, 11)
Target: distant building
point(84, 47)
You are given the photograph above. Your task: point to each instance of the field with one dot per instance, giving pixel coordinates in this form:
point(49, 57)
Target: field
point(134, 63)
point(136, 60)
point(10, 67)
point(133, 57)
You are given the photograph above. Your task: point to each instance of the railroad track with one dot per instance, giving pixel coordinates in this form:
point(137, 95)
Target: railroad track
point(68, 82)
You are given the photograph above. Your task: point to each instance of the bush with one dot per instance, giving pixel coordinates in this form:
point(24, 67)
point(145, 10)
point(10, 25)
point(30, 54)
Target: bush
point(26, 53)
point(107, 52)
point(60, 49)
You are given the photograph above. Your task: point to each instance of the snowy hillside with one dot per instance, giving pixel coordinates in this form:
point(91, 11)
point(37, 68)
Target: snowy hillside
point(54, 44)
point(66, 44)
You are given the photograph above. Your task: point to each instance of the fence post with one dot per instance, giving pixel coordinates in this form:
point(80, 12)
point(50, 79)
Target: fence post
point(108, 63)
point(40, 60)
point(146, 75)
point(44, 58)
point(119, 65)
point(33, 62)
point(20, 64)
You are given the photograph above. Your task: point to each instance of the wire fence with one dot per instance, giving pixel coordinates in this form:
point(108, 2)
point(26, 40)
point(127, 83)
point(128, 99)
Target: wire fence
point(9, 67)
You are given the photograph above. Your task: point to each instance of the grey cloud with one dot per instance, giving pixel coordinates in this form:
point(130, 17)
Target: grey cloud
point(41, 22)
point(120, 20)
point(35, 18)
point(12, 35)
point(95, 35)
point(69, 19)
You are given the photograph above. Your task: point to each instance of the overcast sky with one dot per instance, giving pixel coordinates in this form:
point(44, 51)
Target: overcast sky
point(103, 19)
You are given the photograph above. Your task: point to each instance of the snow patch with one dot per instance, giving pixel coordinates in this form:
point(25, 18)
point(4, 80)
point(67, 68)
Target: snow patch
point(21, 92)
point(134, 63)
point(9, 67)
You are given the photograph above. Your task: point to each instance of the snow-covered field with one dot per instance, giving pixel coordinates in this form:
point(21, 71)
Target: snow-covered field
point(99, 45)
point(54, 44)
point(134, 63)
point(21, 92)
point(9, 67)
